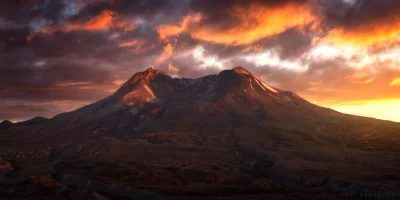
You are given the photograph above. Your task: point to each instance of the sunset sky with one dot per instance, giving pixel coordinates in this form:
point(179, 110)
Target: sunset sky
point(58, 55)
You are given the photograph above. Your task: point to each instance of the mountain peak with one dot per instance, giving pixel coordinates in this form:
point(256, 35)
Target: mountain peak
point(6, 122)
point(241, 70)
point(146, 75)
point(153, 71)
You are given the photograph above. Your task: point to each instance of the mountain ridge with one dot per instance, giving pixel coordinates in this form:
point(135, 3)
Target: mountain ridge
point(30, 122)
point(230, 92)
point(219, 135)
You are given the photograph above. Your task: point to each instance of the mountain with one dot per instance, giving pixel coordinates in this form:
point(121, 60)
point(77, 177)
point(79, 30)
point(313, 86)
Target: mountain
point(225, 135)
point(5, 124)
point(33, 121)
point(231, 95)
point(30, 122)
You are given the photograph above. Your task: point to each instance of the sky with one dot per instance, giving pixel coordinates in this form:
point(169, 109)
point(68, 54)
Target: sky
point(59, 55)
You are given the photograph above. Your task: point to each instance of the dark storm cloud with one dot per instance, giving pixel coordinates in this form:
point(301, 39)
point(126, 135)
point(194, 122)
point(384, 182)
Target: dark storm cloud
point(293, 43)
point(360, 12)
point(368, 23)
point(22, 12)
point(218, 14)
point(34, 70)
point(155, 11)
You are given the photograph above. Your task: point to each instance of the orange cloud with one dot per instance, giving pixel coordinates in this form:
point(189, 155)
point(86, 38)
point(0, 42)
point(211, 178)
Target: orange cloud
point(100, 21)
point(315, 83)
point(127, 26)
point(107, 19)
point(119, 82)
point(136, 45)
point(66, 84)
point(374, 33)
point(172, 68)
point(165, 31)
point(253, 23)
point(362, 78)
point(130, 43)
point(167, 53)
point(30, 37)
point(395, 82)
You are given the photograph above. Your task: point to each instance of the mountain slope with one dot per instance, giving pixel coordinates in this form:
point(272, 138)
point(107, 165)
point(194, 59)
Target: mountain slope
point(220, 135)
point(235, 92)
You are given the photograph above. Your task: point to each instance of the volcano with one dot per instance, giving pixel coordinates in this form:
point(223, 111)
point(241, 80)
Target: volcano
point(229, 135)
point(152, 99)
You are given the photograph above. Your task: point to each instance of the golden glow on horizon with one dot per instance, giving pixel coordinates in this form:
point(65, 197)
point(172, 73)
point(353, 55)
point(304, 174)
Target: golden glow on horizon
point(66, 84)
point(380, 109)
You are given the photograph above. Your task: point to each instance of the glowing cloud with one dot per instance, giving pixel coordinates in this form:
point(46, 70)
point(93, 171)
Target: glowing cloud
point(126, 26)
point(254, 23)
point(271, 58)
point(100, 21)
point(107, 19)
point(130, 43)
point(366, 35)
point(172, 68)
point(66, 84)
point(362, 78)
point(395, 82)
point(356, 57)
point(30, 37)
point(207, 61)
point(165, 31)
point(118, 82)
point(166, 54)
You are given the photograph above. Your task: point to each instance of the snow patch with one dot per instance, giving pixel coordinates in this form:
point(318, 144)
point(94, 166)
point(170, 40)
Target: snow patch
point(140, 94)
point(269, 87)
point(265, 86)
point(149, 90)
point(251, 84)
